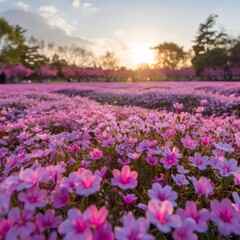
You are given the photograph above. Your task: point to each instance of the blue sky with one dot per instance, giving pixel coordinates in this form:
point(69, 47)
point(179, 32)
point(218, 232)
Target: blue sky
point(124, 26)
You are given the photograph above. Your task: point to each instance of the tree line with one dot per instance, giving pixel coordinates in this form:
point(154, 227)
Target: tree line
point(214, 53)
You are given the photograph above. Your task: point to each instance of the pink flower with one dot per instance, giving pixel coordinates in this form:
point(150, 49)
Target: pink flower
point(30, 177)
point(95, 154)
point(200, 109)
point(226, 218)
point(133, 229)
point(162, 215)
point(88, 183)
point(206, 140)
point(126, 179)
point(161, 194)
point(33, 198)
point(5, 226)
point(48, 220)
point(76, 226)
point(186, 231)
point(237, 178)
point(199, 218)
point(69, 182)
point(96, 217)
point(104, 232)
point(73, 148)
point(170, 157)
point(178, 106)
point(189, 143)
point(134, 156)
point(198, 161)
point(203, 186)
point(129, 198)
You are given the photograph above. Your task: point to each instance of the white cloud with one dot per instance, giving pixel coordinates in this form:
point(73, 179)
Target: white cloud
point(50, 10)
point(2, 1)
point(76, 3)
point(89, 7)
point(23, 6)
point(41, 28)
point(50, 13)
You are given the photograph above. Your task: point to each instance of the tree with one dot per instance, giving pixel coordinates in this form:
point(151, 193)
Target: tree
point(12, 46)
point(234, 53)
point(209, 46)
point(108, 61)
point(169, 55)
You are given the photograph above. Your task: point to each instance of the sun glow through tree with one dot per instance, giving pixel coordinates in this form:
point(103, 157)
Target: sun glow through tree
point(141, 53)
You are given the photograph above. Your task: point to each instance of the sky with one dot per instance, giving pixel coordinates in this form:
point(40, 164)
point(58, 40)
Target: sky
point(127, 27)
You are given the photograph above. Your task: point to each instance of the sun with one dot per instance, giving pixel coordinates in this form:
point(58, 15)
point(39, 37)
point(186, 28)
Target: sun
point(141, 53)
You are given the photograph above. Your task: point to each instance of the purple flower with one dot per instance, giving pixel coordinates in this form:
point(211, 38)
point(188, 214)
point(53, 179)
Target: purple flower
point(186, 231)
point(237, 178)
point(224, 147)
point(199, 218)
point(162, 215)
point(69, 182)
point(236, 198)
point(4, 203)
point(203, 186)
point(189, 143)
point(134, 156)
point(48, 220)
point(96, 217)
point(170, 157)
point(23, 225)
point(226, 218)
point(126, 179)
point(180, 180)
point(88, 183)
point(30, 177)
point(104, 232)
point(182, 170)
point(76, 226)
point(178, 106)
point(101, 173)
point(143, 146)
point(129, 198)
point(33, 198)
point(133, 229)
point(95, 154)
point(198, 161)
point(161, 194)
point(151, 159)
point(61, 198)
point(227, 167)
point(5, 226)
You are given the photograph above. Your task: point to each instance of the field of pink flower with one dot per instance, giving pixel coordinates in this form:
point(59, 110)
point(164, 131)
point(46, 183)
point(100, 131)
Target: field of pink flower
point(120, 161)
